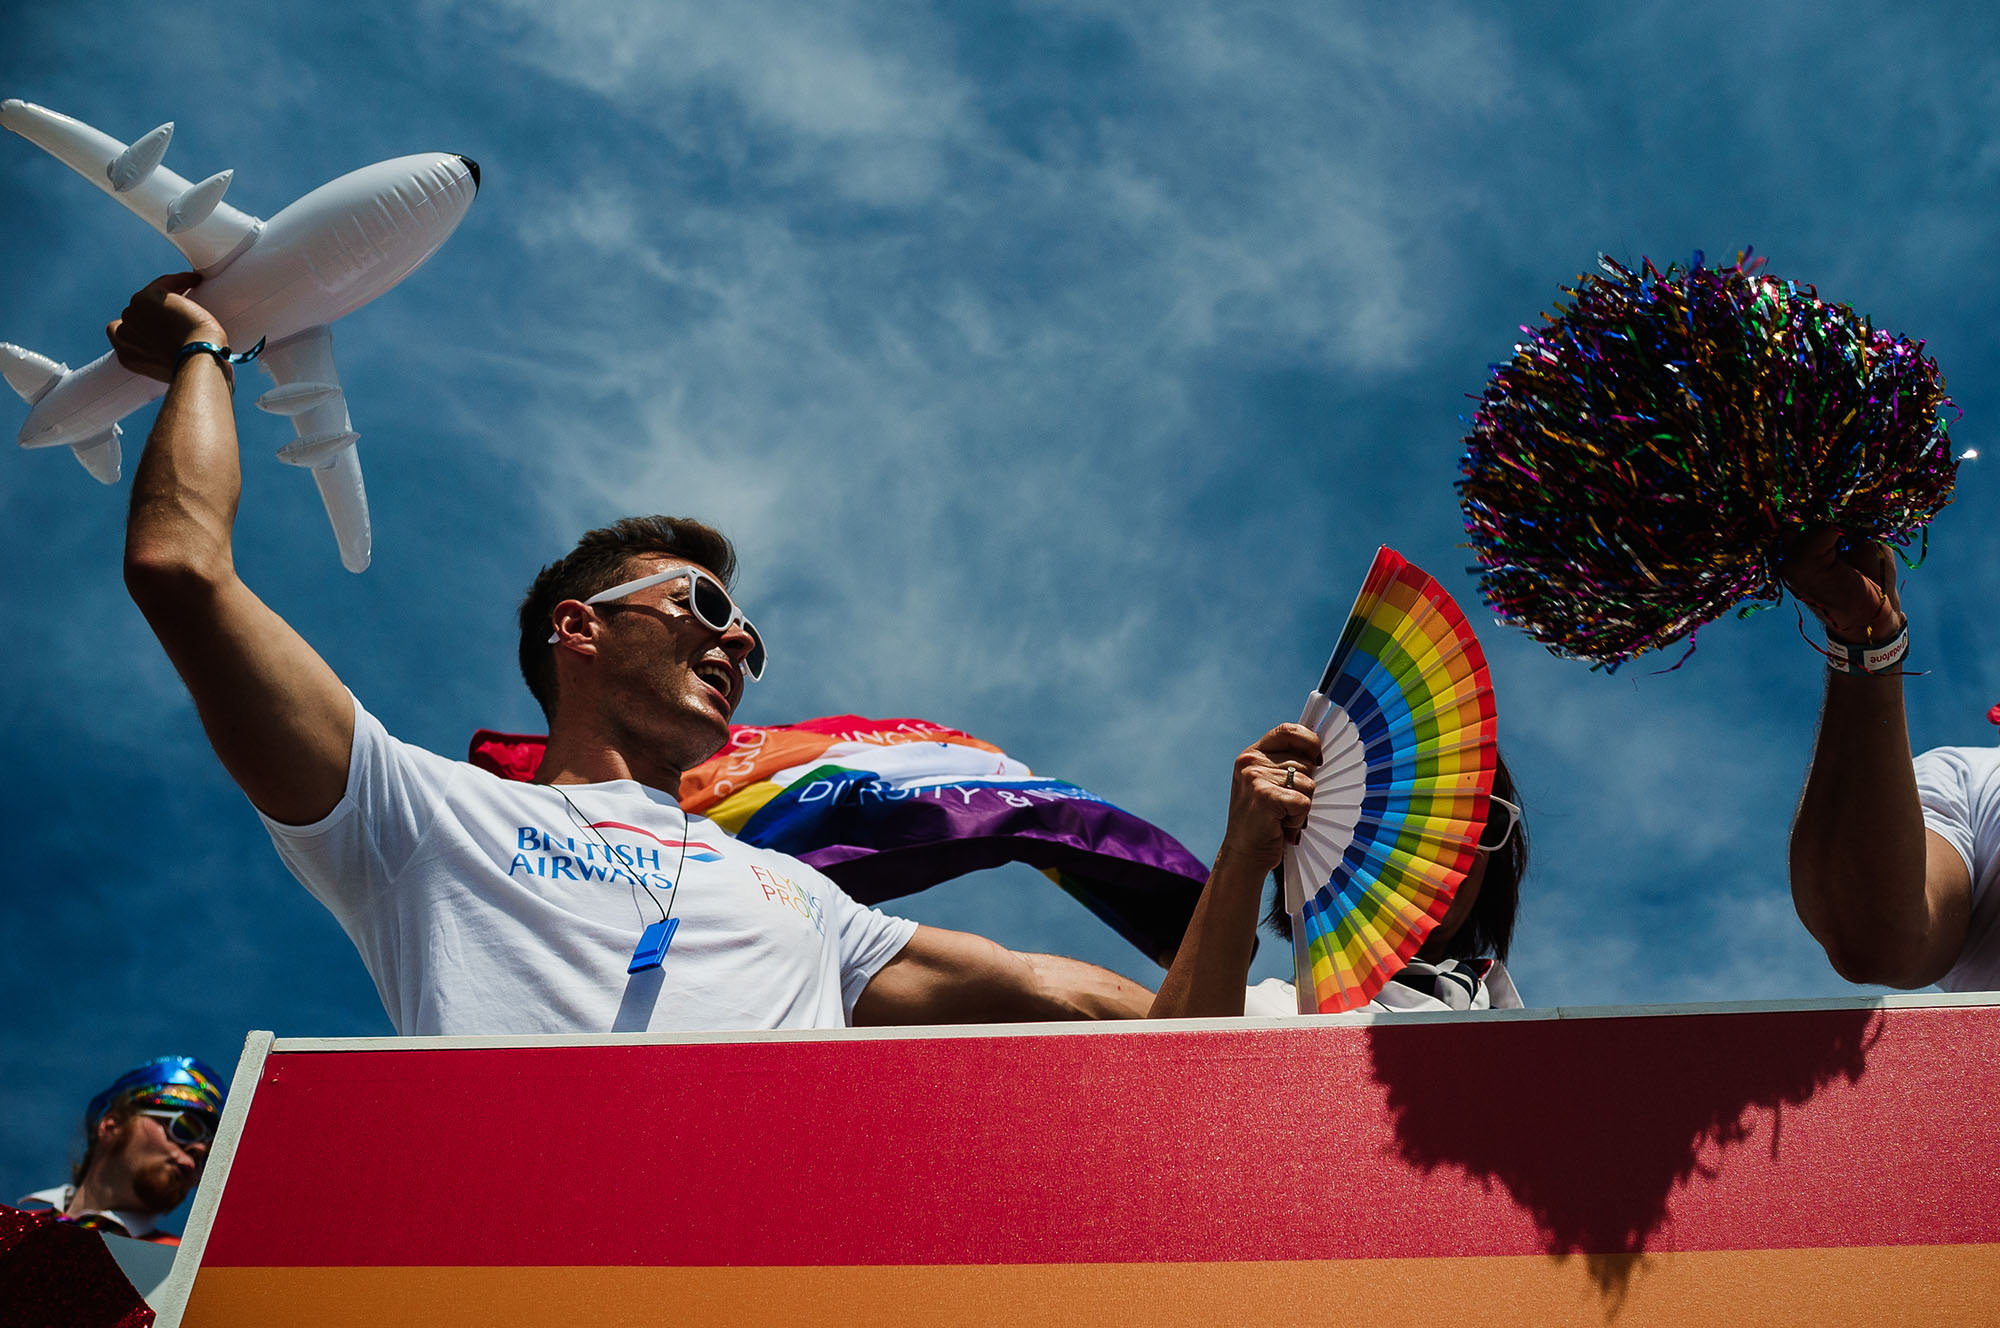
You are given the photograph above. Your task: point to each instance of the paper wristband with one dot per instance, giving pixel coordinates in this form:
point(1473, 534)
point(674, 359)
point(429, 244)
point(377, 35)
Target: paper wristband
point(1845, 657)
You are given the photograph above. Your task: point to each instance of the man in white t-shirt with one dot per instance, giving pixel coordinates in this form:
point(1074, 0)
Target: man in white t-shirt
point(1892, 859)
point(586, 901)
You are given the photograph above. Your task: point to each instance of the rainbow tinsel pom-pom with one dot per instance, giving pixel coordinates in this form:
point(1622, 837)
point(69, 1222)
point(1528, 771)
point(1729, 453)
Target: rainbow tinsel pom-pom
point(1640, 465)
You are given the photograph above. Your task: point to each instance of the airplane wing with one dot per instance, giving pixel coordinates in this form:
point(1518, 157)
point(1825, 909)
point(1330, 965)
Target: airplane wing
point(193, 216)
point(308, 390)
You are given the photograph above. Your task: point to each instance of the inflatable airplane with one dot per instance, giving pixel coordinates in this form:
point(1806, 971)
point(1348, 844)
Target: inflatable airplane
point(282, 281)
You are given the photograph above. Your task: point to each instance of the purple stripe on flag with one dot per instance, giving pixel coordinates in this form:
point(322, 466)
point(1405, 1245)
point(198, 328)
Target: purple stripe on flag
point(879, 840)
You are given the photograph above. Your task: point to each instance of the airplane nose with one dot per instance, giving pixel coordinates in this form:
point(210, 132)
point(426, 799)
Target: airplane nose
point(472, 166)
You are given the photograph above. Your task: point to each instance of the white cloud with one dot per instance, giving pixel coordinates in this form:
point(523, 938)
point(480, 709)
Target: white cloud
point(845, 99)
point(986, 404)
point(1297, 208)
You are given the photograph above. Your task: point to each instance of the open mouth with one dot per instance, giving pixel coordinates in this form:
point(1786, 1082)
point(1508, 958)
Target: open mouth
point(719, 676)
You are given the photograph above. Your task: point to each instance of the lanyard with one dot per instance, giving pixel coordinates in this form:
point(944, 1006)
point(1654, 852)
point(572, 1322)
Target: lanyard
point(657, 936)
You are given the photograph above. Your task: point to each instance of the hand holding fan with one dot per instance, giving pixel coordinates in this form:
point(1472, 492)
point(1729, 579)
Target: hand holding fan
point(1405, 718)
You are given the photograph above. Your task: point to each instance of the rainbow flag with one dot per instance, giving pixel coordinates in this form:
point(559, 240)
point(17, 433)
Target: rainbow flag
point(888, 807)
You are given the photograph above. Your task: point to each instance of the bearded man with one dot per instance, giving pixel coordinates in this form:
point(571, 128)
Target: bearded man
point(146, 1140)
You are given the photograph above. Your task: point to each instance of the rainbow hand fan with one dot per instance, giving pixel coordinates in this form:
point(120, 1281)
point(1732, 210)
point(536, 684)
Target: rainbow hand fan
point(1405, 718)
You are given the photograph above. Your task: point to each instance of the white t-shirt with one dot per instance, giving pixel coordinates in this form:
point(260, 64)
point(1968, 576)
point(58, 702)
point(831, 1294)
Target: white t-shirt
point(1960, 790)
point(484, 905)
point(1274, 998)
point(139, 1226)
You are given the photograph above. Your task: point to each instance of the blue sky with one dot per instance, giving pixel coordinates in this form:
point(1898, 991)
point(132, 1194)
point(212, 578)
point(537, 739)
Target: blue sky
point(1057, 368)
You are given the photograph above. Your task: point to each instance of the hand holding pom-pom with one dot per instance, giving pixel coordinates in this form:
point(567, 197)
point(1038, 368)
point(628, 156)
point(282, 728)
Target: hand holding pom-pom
point(1852, 591)
point(1649, 456)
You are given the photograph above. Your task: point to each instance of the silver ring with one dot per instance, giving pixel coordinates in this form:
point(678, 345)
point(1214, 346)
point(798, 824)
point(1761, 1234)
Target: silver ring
point(1289, 772)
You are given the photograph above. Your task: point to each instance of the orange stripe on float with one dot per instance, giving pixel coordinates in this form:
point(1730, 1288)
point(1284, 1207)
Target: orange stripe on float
point(1940, 1286)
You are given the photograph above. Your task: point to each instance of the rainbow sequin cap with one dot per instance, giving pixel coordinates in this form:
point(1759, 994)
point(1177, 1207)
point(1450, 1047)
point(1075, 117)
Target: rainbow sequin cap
point(181, 1081)
point(1405, 718)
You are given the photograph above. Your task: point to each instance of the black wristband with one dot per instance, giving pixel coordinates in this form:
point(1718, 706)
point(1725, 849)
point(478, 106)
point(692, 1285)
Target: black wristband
point(223, 355)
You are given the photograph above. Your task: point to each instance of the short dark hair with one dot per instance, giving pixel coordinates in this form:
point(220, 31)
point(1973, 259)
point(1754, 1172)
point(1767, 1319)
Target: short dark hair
point(598, 562)
point(1489, 928)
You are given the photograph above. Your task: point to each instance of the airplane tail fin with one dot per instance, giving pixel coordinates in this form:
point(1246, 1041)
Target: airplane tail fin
point(34, 376)
point(30, 374)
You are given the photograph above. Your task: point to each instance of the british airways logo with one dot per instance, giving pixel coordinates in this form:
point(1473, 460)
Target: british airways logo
point(696, 850)
point(568, 858)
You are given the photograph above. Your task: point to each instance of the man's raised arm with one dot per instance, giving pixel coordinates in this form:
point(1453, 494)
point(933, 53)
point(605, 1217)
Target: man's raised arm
point(1888, 899)
point(276, 715)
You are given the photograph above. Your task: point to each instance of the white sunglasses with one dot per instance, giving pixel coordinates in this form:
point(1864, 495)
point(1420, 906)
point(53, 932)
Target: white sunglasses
point(1501, 818)
point(707, 599)
point(184, 1125)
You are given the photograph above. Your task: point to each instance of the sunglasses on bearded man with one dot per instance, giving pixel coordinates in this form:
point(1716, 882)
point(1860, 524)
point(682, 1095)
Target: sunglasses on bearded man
point(184, 1125)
